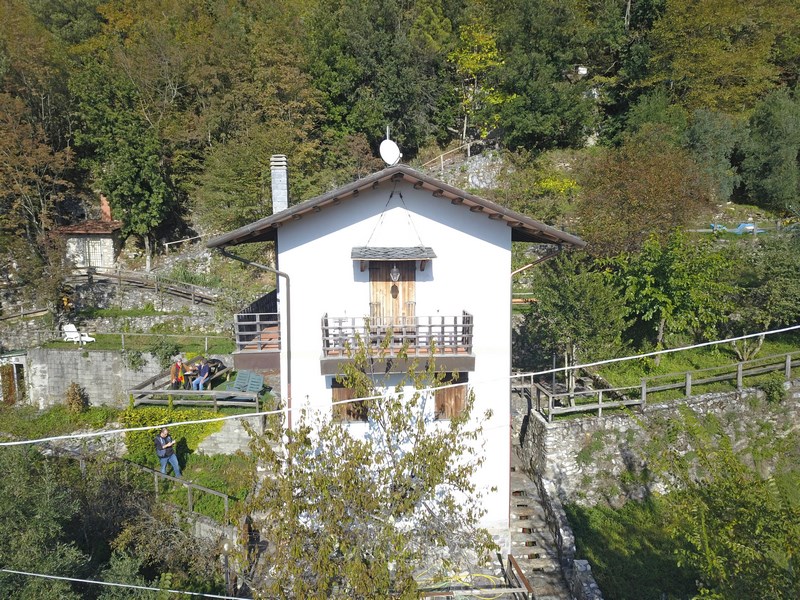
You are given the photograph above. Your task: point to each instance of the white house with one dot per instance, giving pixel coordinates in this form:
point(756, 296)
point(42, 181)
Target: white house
point(403, 254)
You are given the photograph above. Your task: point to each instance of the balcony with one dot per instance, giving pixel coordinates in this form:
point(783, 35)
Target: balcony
point(395, 341)
point(258, 335)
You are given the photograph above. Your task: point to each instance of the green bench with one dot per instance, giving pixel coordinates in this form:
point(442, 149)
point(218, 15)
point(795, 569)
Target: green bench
point(247, 381)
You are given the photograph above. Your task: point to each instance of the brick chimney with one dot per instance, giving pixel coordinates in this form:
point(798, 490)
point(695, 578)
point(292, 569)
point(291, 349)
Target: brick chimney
point(105, 209)
point(280, 183)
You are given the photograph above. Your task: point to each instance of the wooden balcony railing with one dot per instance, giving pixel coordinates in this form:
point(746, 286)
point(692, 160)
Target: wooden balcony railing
point(417, 335)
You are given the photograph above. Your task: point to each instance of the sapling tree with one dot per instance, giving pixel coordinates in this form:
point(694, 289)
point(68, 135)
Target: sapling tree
point(347, 516)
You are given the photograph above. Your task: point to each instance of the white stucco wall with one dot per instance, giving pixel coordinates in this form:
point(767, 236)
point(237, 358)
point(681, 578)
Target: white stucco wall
point(471, 273)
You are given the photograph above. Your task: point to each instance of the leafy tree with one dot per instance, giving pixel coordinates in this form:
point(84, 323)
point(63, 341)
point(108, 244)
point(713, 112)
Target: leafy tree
point(577, 314)
point(476, 59)
point(717, 53)
point(34, 185)
point(771, 165)
point(677, 287)
point(657, 108)
point(712, 138)
point(538, 42)
point(35, 509)
point(647, 187)
point(357, 518)
point(768, 294)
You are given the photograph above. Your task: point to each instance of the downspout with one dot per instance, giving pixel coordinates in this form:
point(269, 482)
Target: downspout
point(288, 327)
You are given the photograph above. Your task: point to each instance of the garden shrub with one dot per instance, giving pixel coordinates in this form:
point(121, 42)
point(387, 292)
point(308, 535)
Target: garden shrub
point(163, 349)
point(76, 399)
point(140, 444)
point(772, 386)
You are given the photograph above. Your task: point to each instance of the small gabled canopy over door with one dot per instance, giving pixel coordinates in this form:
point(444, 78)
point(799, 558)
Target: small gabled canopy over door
point(392, 303)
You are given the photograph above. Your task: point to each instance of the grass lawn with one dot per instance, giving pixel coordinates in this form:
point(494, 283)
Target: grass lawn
point(632, 556)
point(717, 359)
point(143, 342)
point(231, 474)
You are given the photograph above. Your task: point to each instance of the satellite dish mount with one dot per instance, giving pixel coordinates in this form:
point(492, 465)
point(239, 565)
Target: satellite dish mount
point(389, 151)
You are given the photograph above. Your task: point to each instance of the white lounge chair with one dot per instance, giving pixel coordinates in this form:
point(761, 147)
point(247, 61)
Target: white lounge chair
point(71, 334)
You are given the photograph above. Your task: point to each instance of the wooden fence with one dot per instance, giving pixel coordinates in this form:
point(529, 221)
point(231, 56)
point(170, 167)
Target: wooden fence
point(549, 404)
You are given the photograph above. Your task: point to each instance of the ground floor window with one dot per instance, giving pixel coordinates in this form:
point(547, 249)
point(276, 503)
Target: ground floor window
point(450, 401)
point(350, 411)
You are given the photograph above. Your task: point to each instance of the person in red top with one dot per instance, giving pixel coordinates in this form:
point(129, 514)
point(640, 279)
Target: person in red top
point(176, 374)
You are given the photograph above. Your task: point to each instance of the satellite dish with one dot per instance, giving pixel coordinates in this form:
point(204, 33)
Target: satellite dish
point(390, 153)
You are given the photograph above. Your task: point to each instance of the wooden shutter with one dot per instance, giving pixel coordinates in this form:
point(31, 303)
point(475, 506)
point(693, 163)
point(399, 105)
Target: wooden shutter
point(450, 401)
point(354, 411)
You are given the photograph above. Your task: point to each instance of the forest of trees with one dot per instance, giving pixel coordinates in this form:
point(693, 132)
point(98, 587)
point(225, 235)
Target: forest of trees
point(171, 108)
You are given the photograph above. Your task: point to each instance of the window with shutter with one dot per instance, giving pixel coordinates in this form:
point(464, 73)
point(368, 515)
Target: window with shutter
point(351, 411)
point(450, 401)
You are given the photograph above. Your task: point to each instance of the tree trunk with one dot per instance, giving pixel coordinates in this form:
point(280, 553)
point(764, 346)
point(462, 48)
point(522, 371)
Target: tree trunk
point(659, 340)
point(147, 257)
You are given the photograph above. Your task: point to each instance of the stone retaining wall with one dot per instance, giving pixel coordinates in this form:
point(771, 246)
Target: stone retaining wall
point(102, 373)
point(594, 459)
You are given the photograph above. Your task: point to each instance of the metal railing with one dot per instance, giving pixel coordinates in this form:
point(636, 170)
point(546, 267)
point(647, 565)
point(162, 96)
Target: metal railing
point(258, 331)
point(550, 404)
point(415, 335)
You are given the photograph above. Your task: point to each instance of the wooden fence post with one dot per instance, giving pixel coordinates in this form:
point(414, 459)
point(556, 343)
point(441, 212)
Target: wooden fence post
point(788, 368)
point(688, 384)
point(644, 392)
point(550, 408)
point(600, 403)
point(189, 496)
point(739, 369)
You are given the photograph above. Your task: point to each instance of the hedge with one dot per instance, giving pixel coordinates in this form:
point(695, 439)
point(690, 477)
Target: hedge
point(140, 444)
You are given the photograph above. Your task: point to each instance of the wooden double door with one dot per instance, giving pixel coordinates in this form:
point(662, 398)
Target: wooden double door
point(392, 302)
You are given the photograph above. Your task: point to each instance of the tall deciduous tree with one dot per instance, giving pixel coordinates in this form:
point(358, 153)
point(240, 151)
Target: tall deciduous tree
point(718, 54)
point(359, 518)
point(771, 165)
point(646, 187)
point(578, 314)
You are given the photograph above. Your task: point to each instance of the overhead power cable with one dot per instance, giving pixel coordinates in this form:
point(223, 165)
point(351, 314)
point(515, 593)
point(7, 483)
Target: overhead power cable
point(118, 585)
point(96, 434)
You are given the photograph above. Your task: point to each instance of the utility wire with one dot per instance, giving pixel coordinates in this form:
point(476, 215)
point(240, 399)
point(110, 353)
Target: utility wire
point(94, 434)
point(118, 585)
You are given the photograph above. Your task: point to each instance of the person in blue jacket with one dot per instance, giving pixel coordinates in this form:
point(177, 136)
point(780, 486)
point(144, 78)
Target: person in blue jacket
point(202, 375)
point(165, 450)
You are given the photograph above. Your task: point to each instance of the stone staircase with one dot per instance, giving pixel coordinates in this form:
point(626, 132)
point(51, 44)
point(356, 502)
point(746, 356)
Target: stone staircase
point(531, 542)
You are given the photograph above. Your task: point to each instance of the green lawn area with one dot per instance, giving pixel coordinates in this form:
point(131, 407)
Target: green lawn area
point(143, 342)
point(717, 359)
point(631, 554)
point(231, 474)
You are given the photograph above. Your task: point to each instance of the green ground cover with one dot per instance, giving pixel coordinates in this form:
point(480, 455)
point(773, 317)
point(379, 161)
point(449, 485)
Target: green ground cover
point(30, 422)
point(632, 556)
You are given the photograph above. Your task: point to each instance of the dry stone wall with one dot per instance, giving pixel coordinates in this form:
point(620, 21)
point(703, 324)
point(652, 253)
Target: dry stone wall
point(599, 459)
